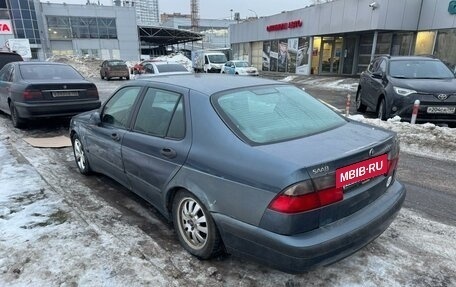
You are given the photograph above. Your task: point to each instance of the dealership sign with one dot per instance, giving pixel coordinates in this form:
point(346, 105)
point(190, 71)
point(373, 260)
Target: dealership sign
point(6, 27)
point(284, 26)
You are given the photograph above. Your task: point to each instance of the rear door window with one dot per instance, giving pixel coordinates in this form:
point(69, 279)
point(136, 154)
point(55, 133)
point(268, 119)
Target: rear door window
point(161, 114)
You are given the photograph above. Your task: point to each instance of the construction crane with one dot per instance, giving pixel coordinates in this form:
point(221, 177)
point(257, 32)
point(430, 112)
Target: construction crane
point(194, 8)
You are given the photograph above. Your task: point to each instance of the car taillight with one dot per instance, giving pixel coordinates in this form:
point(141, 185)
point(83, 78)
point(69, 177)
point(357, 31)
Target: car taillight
point(393, 159)
point(92, 92)
point(308, 195)
point(32, 95)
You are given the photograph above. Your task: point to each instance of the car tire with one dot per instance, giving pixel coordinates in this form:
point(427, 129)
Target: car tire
point(195, 227)
point(80, 156)
point(18, 122)
point(381, 110)
point(360, 107)
point(127, 77)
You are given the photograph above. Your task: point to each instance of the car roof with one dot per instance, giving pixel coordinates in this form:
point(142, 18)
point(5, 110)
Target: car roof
point(209, 83)
point(411, 58)
point(42, 63)
point(164, 63)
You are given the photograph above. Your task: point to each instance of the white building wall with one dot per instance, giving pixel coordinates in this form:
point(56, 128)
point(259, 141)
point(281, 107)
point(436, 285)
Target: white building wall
point(126, 46)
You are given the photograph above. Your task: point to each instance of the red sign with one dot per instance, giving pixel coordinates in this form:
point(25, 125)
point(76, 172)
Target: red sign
point(362, 170)
point(284, 26)
point(6, 27)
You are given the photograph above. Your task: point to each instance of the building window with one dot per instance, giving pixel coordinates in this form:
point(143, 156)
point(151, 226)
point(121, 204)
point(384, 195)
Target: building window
point(95, 53)
point(61, 27)
point(444, 47)
point(365, 50)
point(424, 42)
point(402, 44)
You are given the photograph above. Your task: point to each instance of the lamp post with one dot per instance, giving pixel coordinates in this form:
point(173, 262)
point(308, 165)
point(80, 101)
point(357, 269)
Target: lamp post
point(231, 14)
point(256, 15)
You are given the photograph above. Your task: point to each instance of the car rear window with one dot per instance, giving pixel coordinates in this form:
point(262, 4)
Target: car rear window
point(419, 69)
point(117, 63)
point(171, 68)
point(6, 58)
point(242, 64)
point(48, 72)
point(267, 114)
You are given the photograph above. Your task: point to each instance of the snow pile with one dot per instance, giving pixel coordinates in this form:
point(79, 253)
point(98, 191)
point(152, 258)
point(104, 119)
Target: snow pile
point(89, 67)
point(421, 139)
point(324, 82)
point(288, 79)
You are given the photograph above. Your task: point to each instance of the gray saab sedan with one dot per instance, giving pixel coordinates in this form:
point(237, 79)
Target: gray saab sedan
point(247, 166)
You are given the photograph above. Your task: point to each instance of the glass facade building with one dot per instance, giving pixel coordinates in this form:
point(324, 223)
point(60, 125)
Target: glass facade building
point(24, 20)
point(63, 27)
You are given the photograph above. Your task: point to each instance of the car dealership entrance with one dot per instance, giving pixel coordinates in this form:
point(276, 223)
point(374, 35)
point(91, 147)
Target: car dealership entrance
point(341, 37)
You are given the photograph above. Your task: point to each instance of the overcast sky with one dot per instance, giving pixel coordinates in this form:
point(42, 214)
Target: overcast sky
point(218, 9)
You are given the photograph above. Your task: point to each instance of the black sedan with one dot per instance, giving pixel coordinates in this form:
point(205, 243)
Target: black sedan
point(392, 84)
point(31, 90)
point(249, 166)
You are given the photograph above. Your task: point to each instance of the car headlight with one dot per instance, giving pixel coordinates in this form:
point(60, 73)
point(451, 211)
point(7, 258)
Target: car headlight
point(403, 92)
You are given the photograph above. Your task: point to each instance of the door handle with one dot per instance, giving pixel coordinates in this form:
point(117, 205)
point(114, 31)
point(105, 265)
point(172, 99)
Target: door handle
point(115, 137)
point(168, 152)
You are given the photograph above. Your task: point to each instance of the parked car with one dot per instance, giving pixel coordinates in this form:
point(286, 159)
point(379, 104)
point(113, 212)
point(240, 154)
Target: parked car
point(391, 84)
point(252, 166)
point(114, 69)
point(8, 57)
point(239, 68)
point(31, 90)
point(162, 68)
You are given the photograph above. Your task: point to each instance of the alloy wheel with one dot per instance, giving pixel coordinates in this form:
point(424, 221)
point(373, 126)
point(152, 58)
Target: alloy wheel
point(192, 223)
point(79, 155)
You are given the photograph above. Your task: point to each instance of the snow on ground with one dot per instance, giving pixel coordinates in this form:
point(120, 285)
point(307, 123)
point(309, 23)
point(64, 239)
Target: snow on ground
point(324, 82)
point(420, 139)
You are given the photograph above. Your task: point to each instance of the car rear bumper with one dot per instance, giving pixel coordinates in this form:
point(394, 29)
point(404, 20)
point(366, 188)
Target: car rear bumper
point(62, 109)
point(323, 246)
point(214, 70)
point(118, 73)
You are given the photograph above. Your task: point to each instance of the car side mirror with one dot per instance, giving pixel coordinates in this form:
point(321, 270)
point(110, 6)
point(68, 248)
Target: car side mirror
point(95, 119)
point(378, 74)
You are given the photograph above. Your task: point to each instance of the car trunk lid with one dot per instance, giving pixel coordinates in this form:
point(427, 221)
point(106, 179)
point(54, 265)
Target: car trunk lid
point(334, 163)
point(57, 91)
